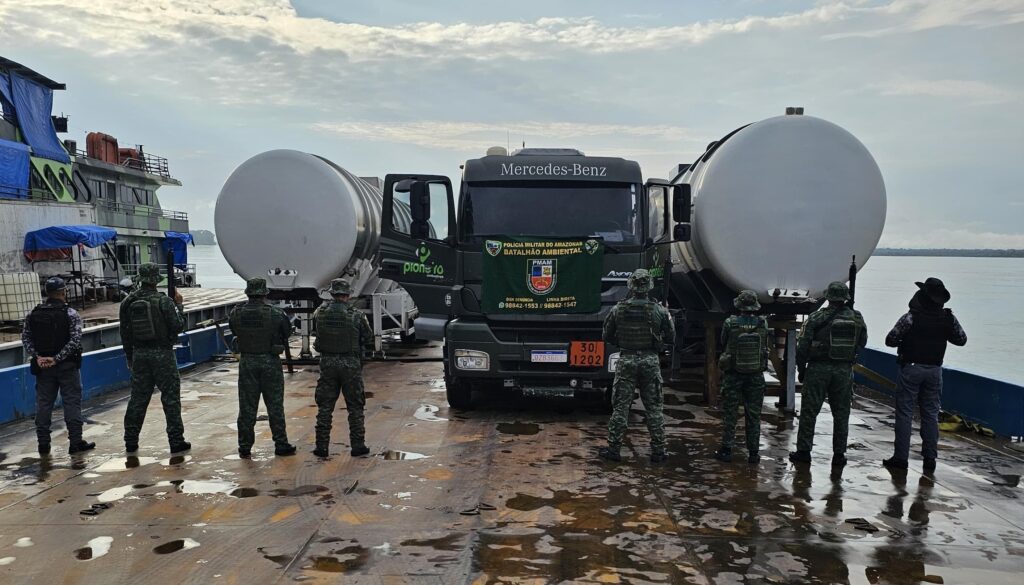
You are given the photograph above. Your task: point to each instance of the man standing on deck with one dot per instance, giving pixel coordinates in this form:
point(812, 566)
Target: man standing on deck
point(825, 353)
point(639, 327)
point(261, 332)
point(342, 335)
point(150, 324)
point(921, 336)
point(747, 343)
point(52, 338)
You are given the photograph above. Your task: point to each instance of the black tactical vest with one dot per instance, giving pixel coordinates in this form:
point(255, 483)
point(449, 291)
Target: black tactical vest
point(337, 331)
point(147, 322)
point(254, 329)
point(637, 326)
point(50, 324)
point(925, 343)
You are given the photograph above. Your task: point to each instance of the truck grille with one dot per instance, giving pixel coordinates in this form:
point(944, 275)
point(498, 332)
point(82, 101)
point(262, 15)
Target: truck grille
point(547, 334)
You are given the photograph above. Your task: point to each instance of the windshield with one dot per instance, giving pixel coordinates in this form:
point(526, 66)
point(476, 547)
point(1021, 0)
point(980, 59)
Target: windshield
point(550, 210)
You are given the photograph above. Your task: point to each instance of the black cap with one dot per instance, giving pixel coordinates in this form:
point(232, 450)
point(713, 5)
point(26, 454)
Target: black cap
point(934, 289)
point(55, 284)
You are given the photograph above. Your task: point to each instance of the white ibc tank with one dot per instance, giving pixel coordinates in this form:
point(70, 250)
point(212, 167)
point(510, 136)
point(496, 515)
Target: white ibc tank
point(299, 221)
point(783, 204)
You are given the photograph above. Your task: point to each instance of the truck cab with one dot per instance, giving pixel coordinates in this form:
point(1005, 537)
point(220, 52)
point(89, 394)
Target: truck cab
point(440, 256)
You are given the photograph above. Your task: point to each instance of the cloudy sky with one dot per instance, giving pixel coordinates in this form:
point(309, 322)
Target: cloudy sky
point(934, 88)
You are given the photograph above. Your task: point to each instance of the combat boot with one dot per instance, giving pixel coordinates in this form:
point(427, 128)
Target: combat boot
point(724, 455)
point(80, 446)
point(800, 456)
point(244, 453)
point(321, 450)
point(44, 449)
point(658, 457)
point(611, 453)
point(753, 458)
point(180, 447)
point(894, 463)
point(284, 450)
point(839, 460)
point(359, 449)
point(929, 465)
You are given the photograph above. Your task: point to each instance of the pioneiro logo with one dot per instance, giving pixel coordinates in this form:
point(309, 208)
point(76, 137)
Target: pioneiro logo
point(432, 270)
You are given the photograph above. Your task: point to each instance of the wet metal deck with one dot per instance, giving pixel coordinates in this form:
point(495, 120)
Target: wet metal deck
point(498, 495)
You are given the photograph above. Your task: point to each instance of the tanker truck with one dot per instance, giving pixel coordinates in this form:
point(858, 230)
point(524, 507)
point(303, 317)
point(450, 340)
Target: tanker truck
point(299, 220)
point(524, 266)
point(782, 207)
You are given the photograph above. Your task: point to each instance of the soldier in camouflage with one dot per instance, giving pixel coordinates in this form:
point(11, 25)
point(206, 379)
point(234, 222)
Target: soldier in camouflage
point(825, 353)
point(150, 324)
point(747, 343)
point(261, 332)
point(639, 327)
point(342, 335)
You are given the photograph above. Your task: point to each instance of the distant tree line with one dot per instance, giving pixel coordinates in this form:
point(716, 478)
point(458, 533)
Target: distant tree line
point(203, 237)
point(985, 253)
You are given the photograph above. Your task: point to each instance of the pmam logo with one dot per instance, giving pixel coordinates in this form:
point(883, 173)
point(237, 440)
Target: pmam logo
point(541, 276)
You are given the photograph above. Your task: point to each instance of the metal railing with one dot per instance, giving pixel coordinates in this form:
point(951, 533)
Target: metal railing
point(148, 163)
point(145, 210)
point(184, 278)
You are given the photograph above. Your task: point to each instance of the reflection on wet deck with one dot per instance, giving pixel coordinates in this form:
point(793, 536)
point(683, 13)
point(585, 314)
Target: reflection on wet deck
point(508, 493)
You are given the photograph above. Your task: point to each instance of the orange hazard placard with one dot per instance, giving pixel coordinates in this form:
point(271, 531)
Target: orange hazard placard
point(586, 354)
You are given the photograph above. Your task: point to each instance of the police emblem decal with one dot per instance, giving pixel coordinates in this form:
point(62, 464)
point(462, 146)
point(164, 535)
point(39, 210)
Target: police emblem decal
point(541, 276)
point(493, 247)
point(591, 246)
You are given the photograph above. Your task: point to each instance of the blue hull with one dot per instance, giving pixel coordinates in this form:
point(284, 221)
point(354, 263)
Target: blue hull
point(102, 371)
point(993, 403)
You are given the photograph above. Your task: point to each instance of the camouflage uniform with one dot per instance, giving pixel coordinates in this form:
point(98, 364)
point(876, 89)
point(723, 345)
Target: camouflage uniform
point(261, 332)
point(747, 343)
point(150, 324)
point(343, 334)
point(825, 353)
point(639, 327)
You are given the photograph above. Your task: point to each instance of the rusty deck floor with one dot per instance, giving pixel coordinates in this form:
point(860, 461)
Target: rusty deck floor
point(509, 493)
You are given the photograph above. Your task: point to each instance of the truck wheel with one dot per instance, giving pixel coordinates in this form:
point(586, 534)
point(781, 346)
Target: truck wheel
point(459, 394)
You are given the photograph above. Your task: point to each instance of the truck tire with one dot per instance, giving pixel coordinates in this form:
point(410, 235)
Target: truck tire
point(459, 393)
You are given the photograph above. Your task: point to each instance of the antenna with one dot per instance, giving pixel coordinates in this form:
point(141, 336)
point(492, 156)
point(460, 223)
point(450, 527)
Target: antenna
point(508, 141)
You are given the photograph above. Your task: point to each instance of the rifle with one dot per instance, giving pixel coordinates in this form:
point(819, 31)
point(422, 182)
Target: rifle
point(853, 279)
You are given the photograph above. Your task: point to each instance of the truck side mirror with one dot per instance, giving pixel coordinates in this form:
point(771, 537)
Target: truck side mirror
point(681, 201)
point(419, 201)
point(681, 232)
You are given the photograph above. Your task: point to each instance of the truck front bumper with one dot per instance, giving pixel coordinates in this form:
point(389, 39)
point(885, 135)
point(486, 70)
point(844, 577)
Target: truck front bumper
point(507, 362)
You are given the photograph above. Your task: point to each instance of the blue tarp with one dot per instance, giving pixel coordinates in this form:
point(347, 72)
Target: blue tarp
point(33, 105)
point(178, 243)
point(14, 169)
point(67, 236)
point(6, 97)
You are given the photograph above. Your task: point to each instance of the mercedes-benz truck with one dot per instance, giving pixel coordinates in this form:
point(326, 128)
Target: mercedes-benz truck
point(518, 273)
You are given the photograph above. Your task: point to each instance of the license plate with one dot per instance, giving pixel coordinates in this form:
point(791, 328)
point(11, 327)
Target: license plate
point(586, 354)
point(553, 356)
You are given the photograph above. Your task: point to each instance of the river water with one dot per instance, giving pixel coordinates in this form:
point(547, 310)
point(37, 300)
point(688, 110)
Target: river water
point(988, 299)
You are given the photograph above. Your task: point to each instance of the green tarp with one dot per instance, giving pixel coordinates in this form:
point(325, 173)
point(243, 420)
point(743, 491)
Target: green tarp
point(535, 275)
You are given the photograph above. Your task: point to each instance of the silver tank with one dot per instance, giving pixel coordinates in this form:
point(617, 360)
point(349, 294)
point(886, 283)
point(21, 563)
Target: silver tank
point(300, 220)
point(783, 205)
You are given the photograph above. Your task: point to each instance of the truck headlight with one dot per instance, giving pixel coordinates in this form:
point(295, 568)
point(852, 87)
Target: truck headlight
point(468, 359)
point(613, 360)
